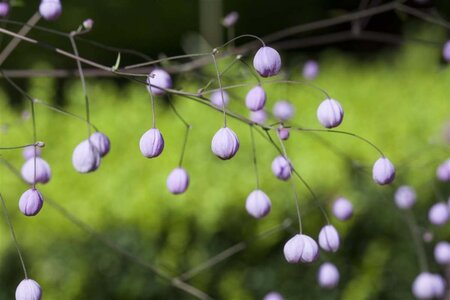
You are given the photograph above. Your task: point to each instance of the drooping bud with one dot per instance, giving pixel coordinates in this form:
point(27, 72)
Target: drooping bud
point(178, 181)
point(258, 204)
point(4, 9)
point(273, 296)
point(85, 157)
point(230, 19)
point(329, 238)
point(342, 209)
point(30, 203)
point(50, 10)
point(310, 70)
point(101, 143)
point(438, 214)
point(28, 152)
point(151, 143)
point(301, 249)
point(281, 168)
point(225, 143)
point(267, 62)
point(43, 172)
point(405, 197)
point(446, 51)
point(157, 81)
point(383, 171)
point(283, 133)
point(28, 289)
point(256, 98)
point(442, 253)
point(328, 276)
point(283, 110)
point(330, 113)
point(88, 24)
point(428, 286)
point(216, 98)
point(443, 171)
point(259, 116)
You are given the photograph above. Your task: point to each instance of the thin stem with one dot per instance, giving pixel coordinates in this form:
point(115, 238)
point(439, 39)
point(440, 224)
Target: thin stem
point(152, 100)
point(415, 232)
point(33, 118)
point(165, 59)
point(222, 73)
point(255, 164)
point(220, 87)
point(18, 147)
point(188, 128)
point(240, 37)
point(252, 71)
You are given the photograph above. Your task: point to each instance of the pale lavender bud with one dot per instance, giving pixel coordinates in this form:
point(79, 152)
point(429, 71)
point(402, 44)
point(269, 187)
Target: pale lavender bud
point(383, 171)
point(256, 98)
point(428, 236)
point(405, 197)
point(101, 143)
point(230, 19)
point(258, 204)
point(273, 296)
point(28, 152)
point(85, 157)
point(160, 80)
point(50, 9)
point(329, 238)
point(178, 181)
point(267, 62)
point(4, 9)
point(259, 117)
point(283, 110)
point(310, 70)
point(88, 24)
point(151, 143)
point(330, 113)
point(225, 143)
point(446, 51)
point(428, 286)
point(328, 276)
point(301, 249)
point(342, 209)
point(216, 98)
point(283, 133)
point(28, 289)
point(30, 203)
point(438, 214)
point(442, 253)
point(281, 168)
point(443, 171)
point(43, 172)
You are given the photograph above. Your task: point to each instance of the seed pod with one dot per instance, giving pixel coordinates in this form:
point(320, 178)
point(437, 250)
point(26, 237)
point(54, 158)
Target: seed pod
point(216, 99)
point(438, 214)
point(273, 296)
point(383, 171)
point(28, 152)
point(256, 98)
point(259, 117)
point(88, 24)
point(43, 172)
point(281, 168)
point(342, 209)
point(446, 51)
point(4, 9)
point(178, 181)
point(151, 143)
point(443, 171)
point(30, 203)
point(328, 276)
point(283, 110)
point(230, 19)
point(330, 113)
point(101, 143)
point(428, 286)
point(405, 197)
point(442, 253)
point(225, 143)
point(258, 204)
point(157, 81)
point(267, 62)
point(310, 70)
point(301, 249)
point(329, 238)
point(283, 133)
point(85, 157)
point(28, 289)
point(50, 10)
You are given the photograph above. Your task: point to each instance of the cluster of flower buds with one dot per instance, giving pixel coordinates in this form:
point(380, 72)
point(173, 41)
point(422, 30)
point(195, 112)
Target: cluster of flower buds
point(28, 289)
point(50, 10)
point(87, 155)
point(428, 286)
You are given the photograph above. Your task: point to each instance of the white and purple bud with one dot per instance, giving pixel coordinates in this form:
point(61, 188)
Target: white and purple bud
point(281, 168)
point(216, 98)
point(383, 171)
point(30, 203)
point(225, 143)
point(50, 10)
point(443, 171)
point(328, 276)
point(301, 249)
point(428, 286)
point(28, 152)
point(439, 214)
point(310, 70)
point(330, 113)
point(342, 209)
point(158, 80)
point(283, 133)
point(28, 289)
point(88, 24)
point(256, 98)
point(273, 296)
point(405, 197)
point(258, 204)
point(43, 171)
point(151, 143)
point(267, 62)
point(283, 110)
point(101, 143)
point(4, 9)
point(329, 238)
point(85, 157)
point(442, 253)
point(446, 51)
point(230, 19)
point(178, 181)
point(259, 116)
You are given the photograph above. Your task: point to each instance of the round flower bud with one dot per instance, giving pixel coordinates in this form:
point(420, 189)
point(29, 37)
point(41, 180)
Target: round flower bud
point(4, 9)
point(405, 197)
point(446, 51)
point(342, 209)
point(88, 24)
point(157, 81)
point(301, 249)
point(438, 214)
point(28, 289)
point(151, 143)
point(329, 238)
point(267, 62)
point(328, 276)
point(428, 286)
point(442, 253)
point(310, 70)
point(256, 98)
point(30, 203)
point(50, 9)
point(330, 113)
point(178, 181)
point(216, 99)
point(283, 133)
point(258, 204)
point(273, 296)
point(230, 19)
point(85, 157)
point(28, 152)
point(283, 110)
point(281, 168)
point(427, 236)
point(259, 117)
point(43, 172)
point(100, 142)
point(443, 171)
point(383, 171)
point(225, 143)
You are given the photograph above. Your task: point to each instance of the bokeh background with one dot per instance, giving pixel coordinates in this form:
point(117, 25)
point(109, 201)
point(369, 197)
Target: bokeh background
point(394, 95)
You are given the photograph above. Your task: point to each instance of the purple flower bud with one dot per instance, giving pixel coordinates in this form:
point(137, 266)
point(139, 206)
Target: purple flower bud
point(161, 80)
point(4, 9)
point(43, 172)
point(329, 238)
point(281, 168)
point(230, 19)
point(225, 143)
point(383, 171)
point(151, 143)
point(85, 157)
point(438, 214)
point(428, 286)
point(301, 249)
point(446, 51)
point(427, 236)
point(28, 152)
point(100, 142)
point(267, 62)
point(30, 203)
point(28, 289)
point(443, 171)
point(283, 110)
point(283, 133)
point(178, 181)
point(342, 209)
point(328, 276)
point(273, 296)
point(310, 70)
point(256, 98)
point(442, 253)
point(88, 24)
point(330, 113)
point(216, 99)
point(259, 117)
point(405, 197)
point(258, 204)
point(50, 9)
